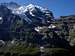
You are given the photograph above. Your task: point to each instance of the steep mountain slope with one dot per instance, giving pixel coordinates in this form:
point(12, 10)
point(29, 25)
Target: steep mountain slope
point(6, 22)
point(31, 24)
point(34, 14)
point(22, 17)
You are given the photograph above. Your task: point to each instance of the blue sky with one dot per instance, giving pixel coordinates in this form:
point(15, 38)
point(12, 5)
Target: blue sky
point(59, 7)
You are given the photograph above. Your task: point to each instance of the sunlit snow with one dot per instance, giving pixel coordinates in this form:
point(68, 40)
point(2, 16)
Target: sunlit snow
point(52, 26)
point(0, 18)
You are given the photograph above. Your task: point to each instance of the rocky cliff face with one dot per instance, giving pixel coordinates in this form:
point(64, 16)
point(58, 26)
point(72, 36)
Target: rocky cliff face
point(6, 21)
point(34, 14)
point(33, 25)
point(69, 24)
point(22, 18)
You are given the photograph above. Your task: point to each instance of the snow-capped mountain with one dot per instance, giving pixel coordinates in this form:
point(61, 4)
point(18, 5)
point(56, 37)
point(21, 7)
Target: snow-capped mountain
point(30, 23)
point(34, 13)
point(22, 18)
point(30, 7)
point(31, 14)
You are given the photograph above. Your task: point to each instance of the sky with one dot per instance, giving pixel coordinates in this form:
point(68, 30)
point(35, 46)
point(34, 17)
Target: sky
point(58, 7)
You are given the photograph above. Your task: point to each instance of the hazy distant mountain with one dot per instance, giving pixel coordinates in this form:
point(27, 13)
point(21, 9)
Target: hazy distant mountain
point(11, 5)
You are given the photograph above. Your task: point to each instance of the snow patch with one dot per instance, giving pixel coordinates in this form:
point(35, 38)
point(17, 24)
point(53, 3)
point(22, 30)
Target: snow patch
point(51, 26)
point(1, 18)
point(38, 28)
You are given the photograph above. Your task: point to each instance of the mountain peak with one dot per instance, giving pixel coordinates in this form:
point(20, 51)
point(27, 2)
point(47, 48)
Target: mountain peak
point(33, 11)
point(30, 5)
point(33, 6)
